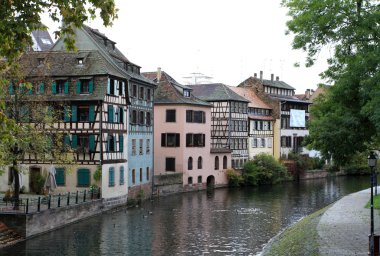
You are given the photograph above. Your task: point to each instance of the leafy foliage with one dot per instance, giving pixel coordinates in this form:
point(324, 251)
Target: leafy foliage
point(264, 170)
point(234, 178)
point(305, 162)
point(346, 119)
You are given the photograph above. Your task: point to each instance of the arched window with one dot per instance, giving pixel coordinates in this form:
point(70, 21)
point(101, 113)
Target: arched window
point(190, 163)
point(233, 163)
point(216, 163)
point(133, 176)
point(224, 162)
point(200, 162)
point(190, 180)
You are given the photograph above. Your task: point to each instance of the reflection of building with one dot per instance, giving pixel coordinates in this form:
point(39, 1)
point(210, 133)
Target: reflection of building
point(261, 123)
point(229, 120)
point(291, 113)
point(182, 136)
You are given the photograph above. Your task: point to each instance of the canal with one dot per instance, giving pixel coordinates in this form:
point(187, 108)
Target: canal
point(218, 222)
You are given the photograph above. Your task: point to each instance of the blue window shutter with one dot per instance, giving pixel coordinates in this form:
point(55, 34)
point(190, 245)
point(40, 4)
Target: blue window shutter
point(74, 141)
point(67, 140)
point(60, 176)
point(121, 143)
point(66, 89)
point(11, 89)
point(54, 88)
point(78, 87)
point(91, 86)
point(42, 88)
point(91, 142)
point(30, 91)
point(111, 177)
point(83, 177)
point(121, 175)
point(74, 113)
point(123, 89)
point(66, 112)
point(115, 143)
point(110, 114)
point(91, 114)
point(109, 87)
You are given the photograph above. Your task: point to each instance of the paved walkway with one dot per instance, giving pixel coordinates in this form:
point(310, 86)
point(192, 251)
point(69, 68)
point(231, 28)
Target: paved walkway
point(344, 227)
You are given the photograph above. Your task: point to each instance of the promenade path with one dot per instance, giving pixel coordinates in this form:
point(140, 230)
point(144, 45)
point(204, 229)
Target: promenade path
point(344, 228)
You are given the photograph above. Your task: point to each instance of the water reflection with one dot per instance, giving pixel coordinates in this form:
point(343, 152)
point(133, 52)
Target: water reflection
point(216, 222)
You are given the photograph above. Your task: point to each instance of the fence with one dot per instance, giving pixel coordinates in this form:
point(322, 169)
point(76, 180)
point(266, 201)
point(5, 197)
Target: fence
point(29, 205)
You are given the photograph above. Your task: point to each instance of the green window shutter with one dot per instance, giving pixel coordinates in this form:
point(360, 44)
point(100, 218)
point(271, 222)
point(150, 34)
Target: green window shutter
point(83, 177)
point(60, 176)
point(91, 114)
point(66, 113)
point(122, 175)
point(24, 113)
point(42, 88)
point(54, 88)
point(121, 143)
point(115, 143)
point(30, 91)
point(110, 114)
point(78, 86)
point(91, 142)
point(74, 141)
point(111, 177)
point(66, 89)
point(74, 113)
point(11, 89)
point(108, 143)
point(91, 86)
point(67, 139)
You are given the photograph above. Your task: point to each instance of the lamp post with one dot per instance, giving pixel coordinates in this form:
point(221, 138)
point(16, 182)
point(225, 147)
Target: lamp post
point(372, 164)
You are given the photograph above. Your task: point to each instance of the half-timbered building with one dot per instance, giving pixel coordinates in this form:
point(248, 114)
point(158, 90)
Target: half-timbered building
point(229, 117)
point(183, 138)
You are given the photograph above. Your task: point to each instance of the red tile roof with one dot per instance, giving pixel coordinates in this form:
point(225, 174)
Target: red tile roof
point(249, 94)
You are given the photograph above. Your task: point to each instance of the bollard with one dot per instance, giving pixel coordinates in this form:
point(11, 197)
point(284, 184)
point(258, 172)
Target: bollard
point(76, 198)
point(92, 194)
point(49, 201)
point(27, 206)
point(68, 198)
point(84, 196)
point(98, 193)
point(39, 204)
point(59, 200)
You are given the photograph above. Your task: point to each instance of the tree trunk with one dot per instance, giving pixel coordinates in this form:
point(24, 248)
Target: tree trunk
point(16, 178)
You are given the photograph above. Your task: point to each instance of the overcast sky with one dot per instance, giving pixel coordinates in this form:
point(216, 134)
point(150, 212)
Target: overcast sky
point(226, 40)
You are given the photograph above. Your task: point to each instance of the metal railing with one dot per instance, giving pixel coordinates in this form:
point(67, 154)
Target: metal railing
point(42, 203)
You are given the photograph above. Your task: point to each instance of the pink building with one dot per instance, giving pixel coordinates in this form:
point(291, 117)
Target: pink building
point(183, 157)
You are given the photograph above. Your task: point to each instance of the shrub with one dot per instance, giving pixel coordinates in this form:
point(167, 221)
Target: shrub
point(234, 178)
point(304, 162)
point(264, 170)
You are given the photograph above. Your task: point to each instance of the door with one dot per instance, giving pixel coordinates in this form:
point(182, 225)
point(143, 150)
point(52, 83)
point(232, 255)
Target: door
point(34, 177)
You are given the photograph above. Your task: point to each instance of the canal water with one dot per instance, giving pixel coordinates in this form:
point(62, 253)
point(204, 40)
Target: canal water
point(218, 222)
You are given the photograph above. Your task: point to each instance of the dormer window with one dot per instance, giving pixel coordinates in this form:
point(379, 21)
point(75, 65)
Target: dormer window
point(80, 61)
point(40, 61)
point(186, 93)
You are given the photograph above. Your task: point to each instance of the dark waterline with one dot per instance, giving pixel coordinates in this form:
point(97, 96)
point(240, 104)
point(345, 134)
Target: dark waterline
point(218, 222)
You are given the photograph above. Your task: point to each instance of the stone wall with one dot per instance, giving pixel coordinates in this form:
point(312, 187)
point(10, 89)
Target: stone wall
point(313, 174)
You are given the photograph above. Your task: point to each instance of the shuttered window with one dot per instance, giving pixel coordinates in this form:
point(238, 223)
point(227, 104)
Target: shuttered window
point(91, 142)
point(122, 175)
point(111, 177)
point(121, 143)
point(83, 177)
point(110, 114)
point(74, 110)
point(91, 114)
point(54, 88)
point(60, 176)
point(11, 89)
point(41, 88)
point(74, 141)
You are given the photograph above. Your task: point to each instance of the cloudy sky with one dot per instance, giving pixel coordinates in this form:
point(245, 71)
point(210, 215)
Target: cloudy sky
point(223, 39)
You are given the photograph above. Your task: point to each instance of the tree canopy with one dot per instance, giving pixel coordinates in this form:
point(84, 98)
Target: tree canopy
point(346, 119)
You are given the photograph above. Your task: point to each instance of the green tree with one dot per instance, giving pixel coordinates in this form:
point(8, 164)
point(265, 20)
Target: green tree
point(345, 120)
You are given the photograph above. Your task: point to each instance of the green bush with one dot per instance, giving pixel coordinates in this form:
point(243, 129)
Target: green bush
point(234, 178)
point(264, 170)
point(304, 162)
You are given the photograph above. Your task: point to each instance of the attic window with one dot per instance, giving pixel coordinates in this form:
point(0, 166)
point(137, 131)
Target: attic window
point(80, 61)
point(186, 93)
point(40, 61)
point(45, 41)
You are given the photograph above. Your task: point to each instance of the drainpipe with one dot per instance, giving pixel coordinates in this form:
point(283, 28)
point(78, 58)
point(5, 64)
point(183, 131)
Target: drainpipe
point(153, 142)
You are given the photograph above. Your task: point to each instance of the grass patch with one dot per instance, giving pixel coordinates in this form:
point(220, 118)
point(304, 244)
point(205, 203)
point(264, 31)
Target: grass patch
point(376, 202)
point(300, 239)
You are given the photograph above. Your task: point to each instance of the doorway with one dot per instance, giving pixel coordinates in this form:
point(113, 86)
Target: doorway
point(34, 179)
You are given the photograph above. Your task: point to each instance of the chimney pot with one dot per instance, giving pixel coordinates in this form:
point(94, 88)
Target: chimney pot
point(271, 77)
point(255, 75)
point(261, 75)
point(277, 78)
point(158, 74)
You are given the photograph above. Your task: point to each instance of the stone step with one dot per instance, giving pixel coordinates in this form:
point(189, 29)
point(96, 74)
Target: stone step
point(8, 236)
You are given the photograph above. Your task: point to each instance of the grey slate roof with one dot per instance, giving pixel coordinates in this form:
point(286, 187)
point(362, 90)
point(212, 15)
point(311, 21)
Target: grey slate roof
point(42, 39)
point(216, 92)
point(169, 91)
point(277, 84)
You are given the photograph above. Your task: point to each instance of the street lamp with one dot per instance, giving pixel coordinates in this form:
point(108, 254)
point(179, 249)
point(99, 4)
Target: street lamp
point(372, 164)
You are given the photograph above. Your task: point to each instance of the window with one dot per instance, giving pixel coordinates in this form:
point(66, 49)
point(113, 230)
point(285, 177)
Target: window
point(170, 139)
point(195, 140)
point(141, 141)
point(80, 60)
point(141, 118)
point(83, 143)
point(224, 162)
point(62, 87)
point(134, 117)
point(270, 143)
point(148, 95)
point(133, 147)
point(200, 162)
point(121, 175)
point(112, 87)
point(286, 141)
point(170, 164)
point(147, 173)
point(148, 121)
point(83, 113)
point(111, 177)
point(141, 175)
point(111, 114)
point(84, 86)
point(121, 89)
point(147, 146)
point(190, 163)
point(186, 93)
point(216, 163)
point(83, 178)
point(133, 176)
point(254, 143)
point(263, 143)
point(111, 143)
point(195, 116)
point(134, 90)
point(199, 179)
point(170, 115)
point(60, 176)
point(190, 180)
point(232, 163)
point(141, 93)
point(120, 115)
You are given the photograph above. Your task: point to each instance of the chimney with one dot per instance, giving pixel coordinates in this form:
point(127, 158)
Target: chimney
point(271, 77)
point(277, 78)
point(307, 94)
point(255, 75)
point(158, 74)
point(261, 75)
